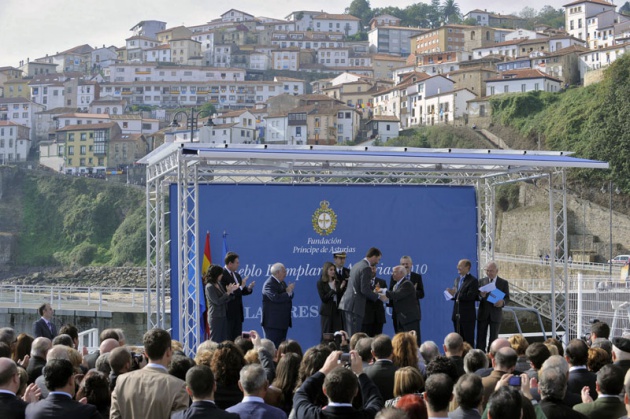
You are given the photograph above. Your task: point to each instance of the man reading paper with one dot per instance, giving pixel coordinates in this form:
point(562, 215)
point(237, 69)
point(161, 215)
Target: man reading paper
point(491, 305)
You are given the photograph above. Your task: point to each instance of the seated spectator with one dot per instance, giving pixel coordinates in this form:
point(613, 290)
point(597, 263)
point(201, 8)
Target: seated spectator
point(453, 350)
point(469, 395)
point(503, 363)
point(382, 371)
point(429, 351)
point(313, 360)
point(405, 350)
point(407, 380)
point(180, 364)
point(553, 388)
point(475, 360)
point(364, 349)
point(253, 384)
point(609, 386)
point(286, 379)
point(95, 388)
point(355, 338)
point(227, 362)
point(340, 386)
point(413, 405)
point(39, 349)
point(520, 345)
point(506, 402)
point(597, 358)
point(495, 346)
point(537, 353)
point(442, 365)
point(438, 394)
point(200, 384)
point(56, 352)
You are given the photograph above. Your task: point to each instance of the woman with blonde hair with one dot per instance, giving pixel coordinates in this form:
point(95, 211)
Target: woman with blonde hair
point(407, 380)
point(405, 350)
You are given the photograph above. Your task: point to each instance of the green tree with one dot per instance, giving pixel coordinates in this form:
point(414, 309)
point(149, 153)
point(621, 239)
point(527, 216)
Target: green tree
point(550, 16)
point(362, 10)
point(435, 14)
point(417, 15)
point(625, 9)
point(206, 110)
point(450, 12)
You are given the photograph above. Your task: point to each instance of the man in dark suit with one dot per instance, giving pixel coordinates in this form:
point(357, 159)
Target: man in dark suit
point(39, 349)
point(454, 350)
point(576, 355)
point(374, 310)
point(235, 315)
point(404, 301)
point(340, 386)
point(553, 387)
point(490, 314)
point(416, 280)
point(276, 305)
point(341, 272)
point(253, 383)
point(200, 385)
point(608, 404)
point(468, 393)
point(465, 293)
point(59, 375)
point(44, 326)
point(352, 303)
point(11, 406)
point(383, 370)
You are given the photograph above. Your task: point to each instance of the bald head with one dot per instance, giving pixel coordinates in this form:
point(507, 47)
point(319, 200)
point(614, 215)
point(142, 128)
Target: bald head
point(58, 352)
point(505, 360)
point(8, 378)
point(108, 345)
point(453, 344)
point(40, 347)
point(498, 344)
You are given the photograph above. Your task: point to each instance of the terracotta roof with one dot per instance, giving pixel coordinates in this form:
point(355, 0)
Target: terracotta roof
point(589, 1)
point(232, 114)
point(471, 69)
point(336, 17)
point(392, 118)
point(11, 124)
point(87, 127)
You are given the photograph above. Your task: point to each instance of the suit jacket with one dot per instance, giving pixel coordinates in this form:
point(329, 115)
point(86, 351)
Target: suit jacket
point(416, 280)
point(327, 295)
point(404, 302)
point(11, 407)
point(235, 305)
point(62, 407)
point(91, 358)
point(467, 295)
point(580, 378)
point(375, 310)
point(382, 375)
point(256, 410)
point(487, 311)
point(359, 289)
point(489, 383)
point(556, 409)
point(218, 300)
point(460, 413)
point(345, 274)
point(40, 328)
point(203, 410)
point(34, 368)
point(276, 304)
point(306, 394)
point(603, 407)
point(148, 393)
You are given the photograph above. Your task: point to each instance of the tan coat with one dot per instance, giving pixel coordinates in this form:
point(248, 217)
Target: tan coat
point(148, 393)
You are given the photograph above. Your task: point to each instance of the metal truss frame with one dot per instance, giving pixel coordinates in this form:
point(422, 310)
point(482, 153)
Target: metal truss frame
point(192, 164)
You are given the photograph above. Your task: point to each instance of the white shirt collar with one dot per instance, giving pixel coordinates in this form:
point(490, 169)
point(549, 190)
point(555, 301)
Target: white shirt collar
point(339, 404)
point(253, 399)
point(7, 392)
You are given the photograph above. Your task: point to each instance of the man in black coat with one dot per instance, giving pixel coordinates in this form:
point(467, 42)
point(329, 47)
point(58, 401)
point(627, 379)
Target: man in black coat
point(416, 280)
point(403, 299)
point(235, 315)
point(553, 387)
point(374, 310)
point(383, 370)
point(576, 355)
point(200, 384)
point(465, 293)
point(340, 386)
point(59, 375)
point(45, 326)
point(11, 406)
point(342, 273)
point(490, 314)
point(39, 349)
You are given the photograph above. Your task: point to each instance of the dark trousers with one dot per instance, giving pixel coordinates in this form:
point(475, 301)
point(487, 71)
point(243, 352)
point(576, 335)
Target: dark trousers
point(411, 326)
point(277, 336)
point(234, 327)
point(331, 324)
point(352, 323)
point(466, 330)
point(372, 329)
point(482, 333)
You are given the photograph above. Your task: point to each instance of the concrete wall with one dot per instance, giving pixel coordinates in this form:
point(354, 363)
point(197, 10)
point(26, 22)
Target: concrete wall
point(134, 324)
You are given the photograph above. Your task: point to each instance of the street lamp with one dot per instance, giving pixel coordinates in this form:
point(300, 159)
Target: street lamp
point(191, 121)
point(610, 232)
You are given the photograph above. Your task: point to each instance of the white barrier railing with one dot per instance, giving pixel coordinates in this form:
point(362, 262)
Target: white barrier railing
point(89, 339)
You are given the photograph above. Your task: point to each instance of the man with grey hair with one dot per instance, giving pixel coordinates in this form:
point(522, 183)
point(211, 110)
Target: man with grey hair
point(429, 351)
point(490, 314)
point(474, 360)
point(253, 383)
point(56, 352)
point(403, 300)
point(416, 280)
point(39, 350)
point(553, 387)
point(277, 303)
point(454, 350)
point(469, 394)
point(558, 362)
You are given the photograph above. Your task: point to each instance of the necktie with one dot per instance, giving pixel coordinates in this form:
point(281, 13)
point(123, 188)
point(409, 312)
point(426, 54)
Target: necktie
point(234, 278)
point(49, 326)
point(461, 282)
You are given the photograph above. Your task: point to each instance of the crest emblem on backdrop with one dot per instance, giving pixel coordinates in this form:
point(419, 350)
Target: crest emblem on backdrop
point(324, 219)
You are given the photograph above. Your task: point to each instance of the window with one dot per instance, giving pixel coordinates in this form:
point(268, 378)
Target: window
point(71, 150)
point(83, 136)
point(82, 150)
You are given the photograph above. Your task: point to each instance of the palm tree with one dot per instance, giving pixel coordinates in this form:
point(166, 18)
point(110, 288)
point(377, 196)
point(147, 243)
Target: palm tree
point(450, 11)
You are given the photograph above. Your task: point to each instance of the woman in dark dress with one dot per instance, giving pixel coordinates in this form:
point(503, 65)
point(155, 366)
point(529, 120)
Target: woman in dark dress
point(218, 298)
point(330, 292)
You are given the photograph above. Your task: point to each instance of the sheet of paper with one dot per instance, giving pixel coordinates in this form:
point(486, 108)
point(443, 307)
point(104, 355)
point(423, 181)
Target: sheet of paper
point(488, 287)
point(496, 295)
point(447, 295)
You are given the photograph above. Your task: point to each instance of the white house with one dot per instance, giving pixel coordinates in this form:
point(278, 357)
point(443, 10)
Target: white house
point(445, 108)
point(15, 142)
point(328, 22)
point(383, 127)
point(48, 90)
point(20, 111)
point(602, 57)
point(521, 81)
point(303, 19)
point(577, 13)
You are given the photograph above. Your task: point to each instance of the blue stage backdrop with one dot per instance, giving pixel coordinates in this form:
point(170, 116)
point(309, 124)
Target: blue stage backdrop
point(301, 226)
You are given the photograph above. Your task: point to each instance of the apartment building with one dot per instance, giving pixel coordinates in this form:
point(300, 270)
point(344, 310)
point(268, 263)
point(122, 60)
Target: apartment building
point(15, 142)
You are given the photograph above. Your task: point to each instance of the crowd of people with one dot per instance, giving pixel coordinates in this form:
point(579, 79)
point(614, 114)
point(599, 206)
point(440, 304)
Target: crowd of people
point(356, 372)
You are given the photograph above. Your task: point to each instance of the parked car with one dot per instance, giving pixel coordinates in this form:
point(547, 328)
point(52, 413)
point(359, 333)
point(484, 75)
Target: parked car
point(620, 260)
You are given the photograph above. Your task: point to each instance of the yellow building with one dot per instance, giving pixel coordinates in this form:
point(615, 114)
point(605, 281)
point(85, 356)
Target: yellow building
point(17, 88)
point(86, 146)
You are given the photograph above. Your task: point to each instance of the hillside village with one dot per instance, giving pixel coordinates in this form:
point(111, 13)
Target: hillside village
point(304, 79)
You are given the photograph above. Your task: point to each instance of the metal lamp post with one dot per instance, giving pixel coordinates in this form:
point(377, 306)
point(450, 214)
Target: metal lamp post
point(191, 121)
